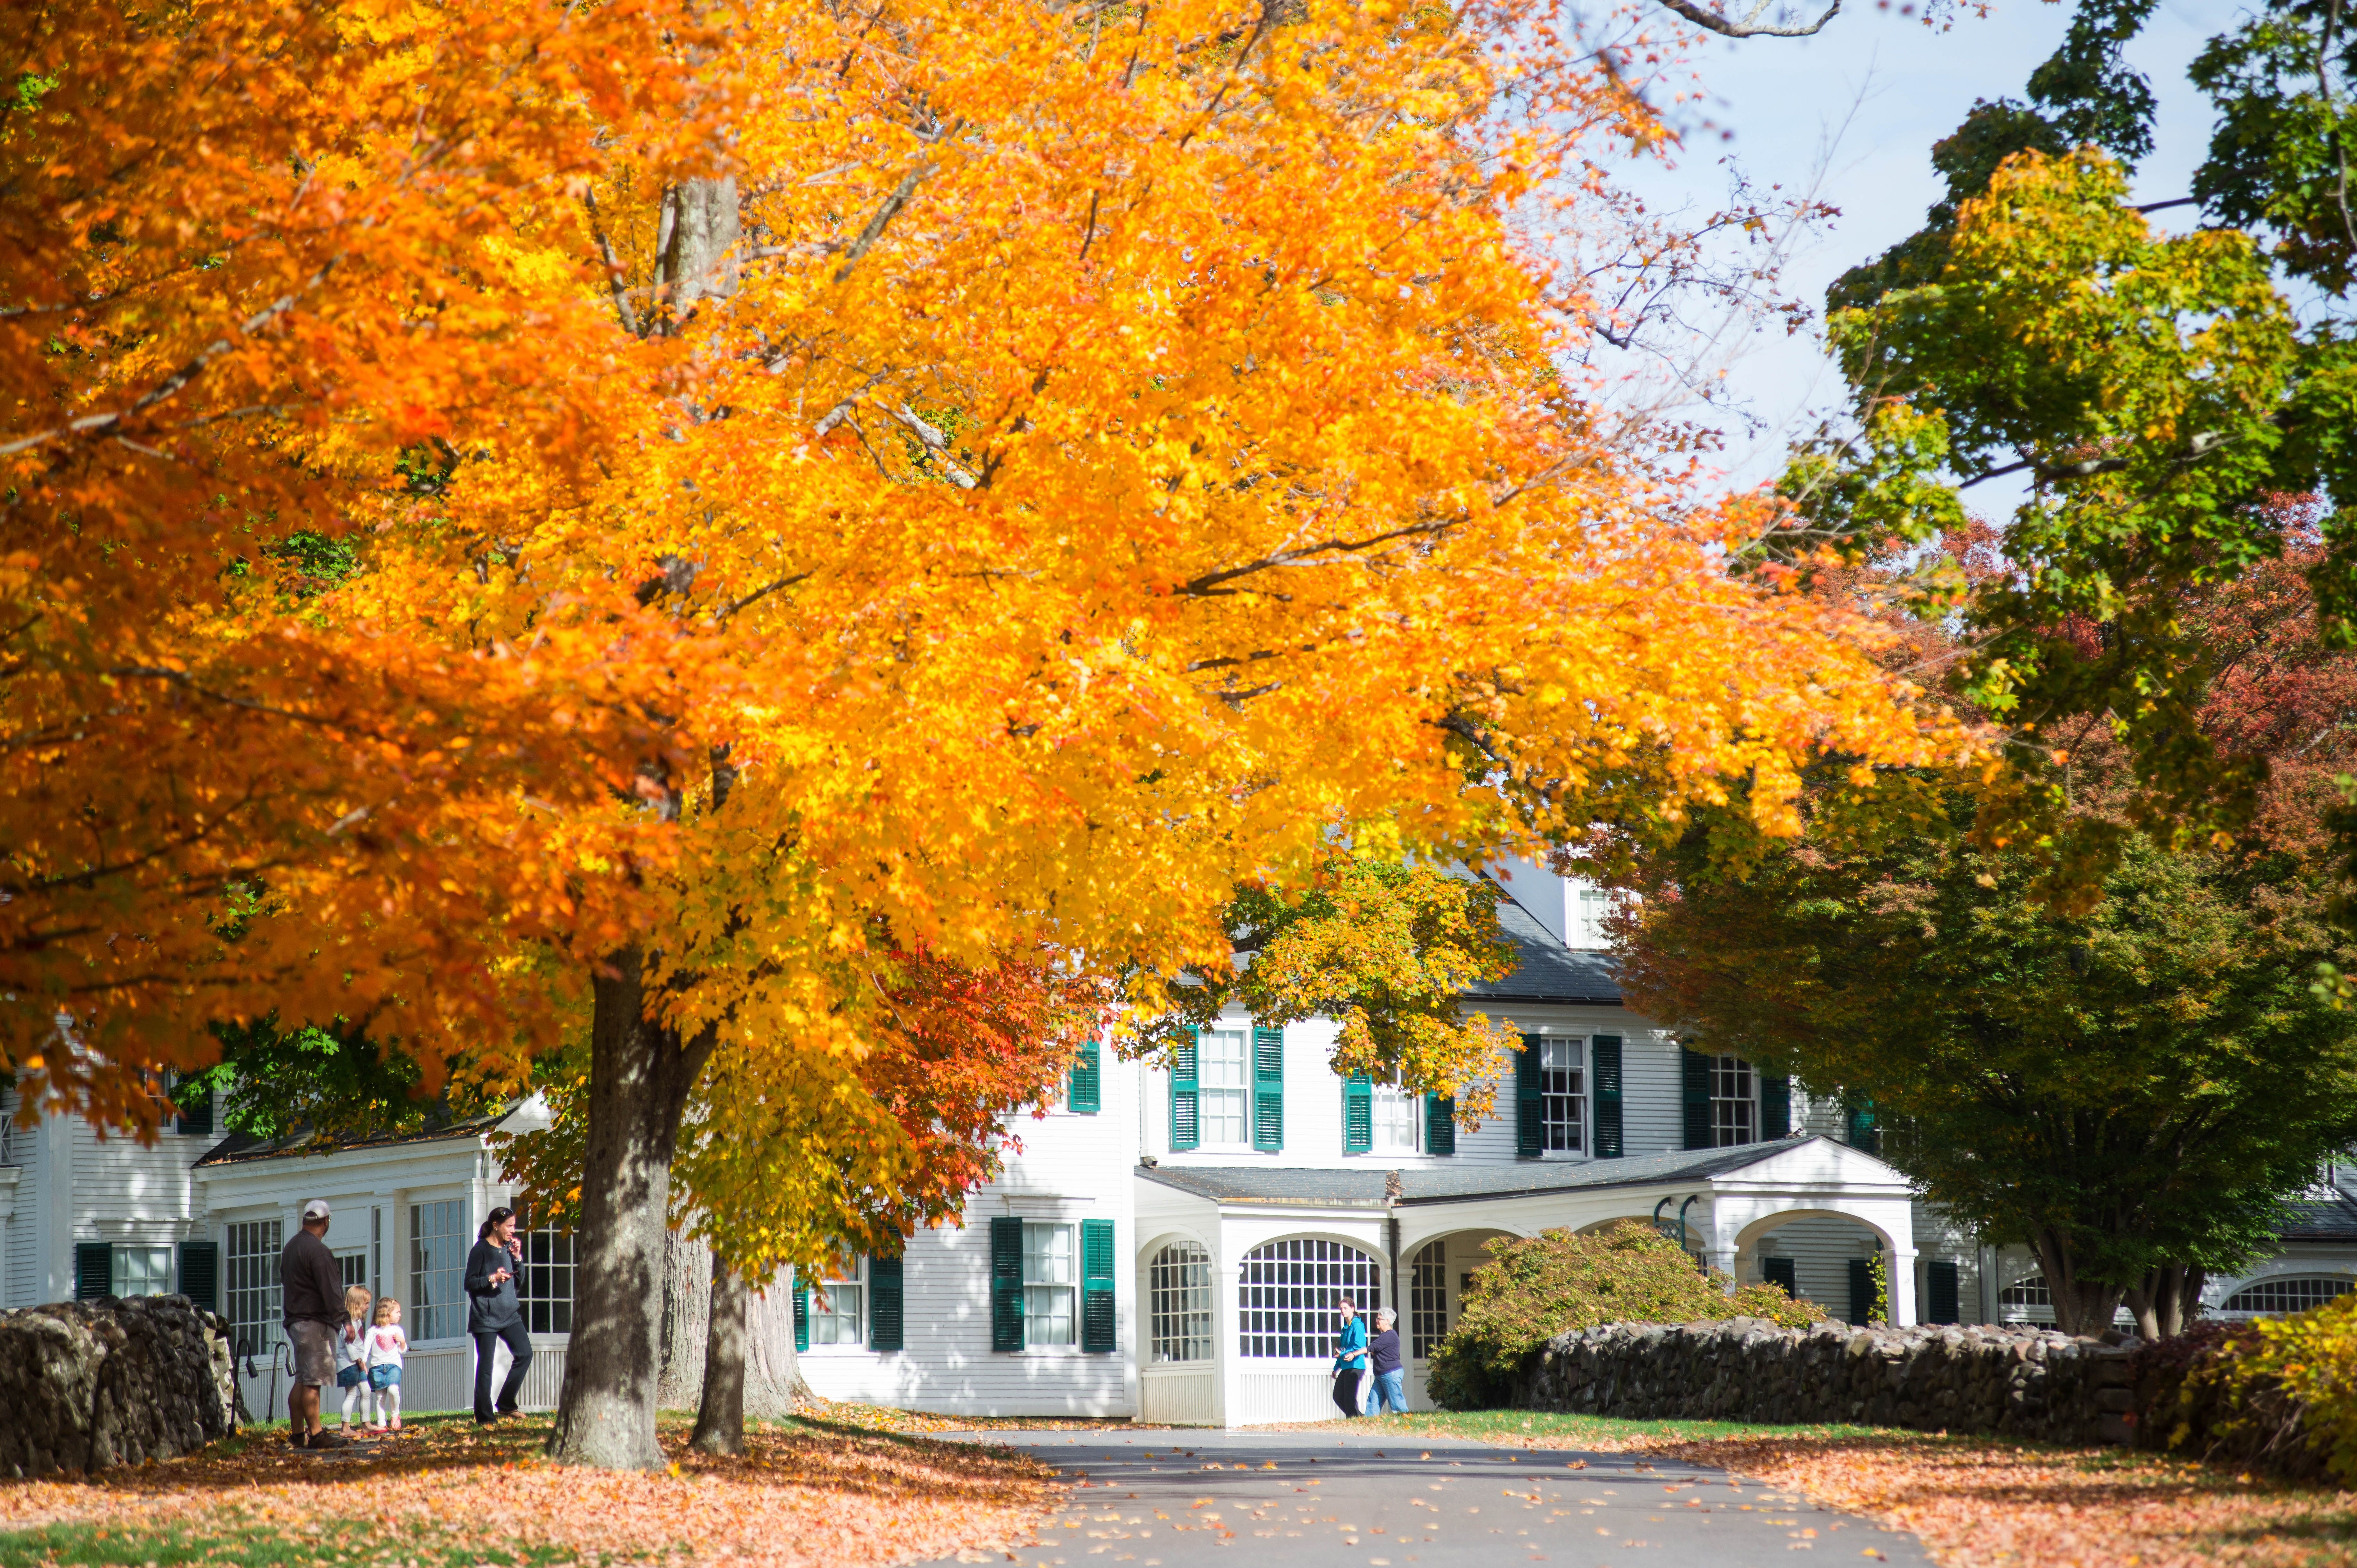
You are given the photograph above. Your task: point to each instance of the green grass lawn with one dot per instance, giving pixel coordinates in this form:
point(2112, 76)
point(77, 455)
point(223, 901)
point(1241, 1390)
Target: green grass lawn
point(1553, 1429)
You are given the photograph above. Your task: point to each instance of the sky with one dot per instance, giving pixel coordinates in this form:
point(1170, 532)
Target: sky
point(1853, 111)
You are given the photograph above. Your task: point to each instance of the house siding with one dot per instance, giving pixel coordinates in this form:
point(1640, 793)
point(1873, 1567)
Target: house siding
point(1072, 1167)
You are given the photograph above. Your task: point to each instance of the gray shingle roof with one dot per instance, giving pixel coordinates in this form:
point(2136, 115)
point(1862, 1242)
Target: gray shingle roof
point(1547, 971)
point(1363, 1188)
point(440, 1123)
point(2319, 1219)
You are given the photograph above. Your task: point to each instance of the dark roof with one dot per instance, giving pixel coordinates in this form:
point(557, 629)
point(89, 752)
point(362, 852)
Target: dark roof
point(2331, 1219)
point(440, 1124)
point(1544, 969)
point(1363, 1188)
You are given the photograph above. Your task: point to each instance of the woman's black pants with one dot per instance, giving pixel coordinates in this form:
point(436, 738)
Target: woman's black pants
point(519, 1347)
point(1346, 1391)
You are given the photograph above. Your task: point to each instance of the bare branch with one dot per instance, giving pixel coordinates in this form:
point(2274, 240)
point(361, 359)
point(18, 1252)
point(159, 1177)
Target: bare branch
point(883, 218)
point(1750, 27)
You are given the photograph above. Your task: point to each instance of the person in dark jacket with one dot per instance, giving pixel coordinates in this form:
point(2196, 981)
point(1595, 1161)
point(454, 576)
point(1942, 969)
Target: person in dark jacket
point(493, 1314)
point(311, 1298)
point(1391, 1372)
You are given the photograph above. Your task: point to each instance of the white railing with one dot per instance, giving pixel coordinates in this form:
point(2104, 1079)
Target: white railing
point(1186, 1394)
point(439, 1377)
point(1274, 1391)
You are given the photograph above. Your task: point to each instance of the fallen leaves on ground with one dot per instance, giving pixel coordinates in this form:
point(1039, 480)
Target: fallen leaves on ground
point(1982, 1503)
point(442, 1490)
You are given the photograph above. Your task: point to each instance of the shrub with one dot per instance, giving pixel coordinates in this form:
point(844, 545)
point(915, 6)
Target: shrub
point(1536, 1287)
point(2280, 1393)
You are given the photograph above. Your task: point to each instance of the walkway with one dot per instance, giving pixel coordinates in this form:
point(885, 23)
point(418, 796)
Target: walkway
point(1199, 1499)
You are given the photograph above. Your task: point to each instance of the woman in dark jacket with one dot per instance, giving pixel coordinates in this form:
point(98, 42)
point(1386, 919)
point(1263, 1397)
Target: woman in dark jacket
point(493, 1313)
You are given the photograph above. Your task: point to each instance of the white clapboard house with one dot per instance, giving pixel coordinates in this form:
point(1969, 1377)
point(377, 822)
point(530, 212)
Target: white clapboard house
point(1167, 1243)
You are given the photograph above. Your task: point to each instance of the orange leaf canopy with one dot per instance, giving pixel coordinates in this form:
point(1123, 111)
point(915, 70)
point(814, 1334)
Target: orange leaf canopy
point(1120, 444)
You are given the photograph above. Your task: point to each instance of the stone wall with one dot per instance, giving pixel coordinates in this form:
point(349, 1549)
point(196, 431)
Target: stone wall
point(90, 1385)
point(2023, 1382)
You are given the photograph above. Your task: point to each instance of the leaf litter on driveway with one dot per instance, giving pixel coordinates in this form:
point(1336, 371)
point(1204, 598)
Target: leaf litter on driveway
point(442, 1493)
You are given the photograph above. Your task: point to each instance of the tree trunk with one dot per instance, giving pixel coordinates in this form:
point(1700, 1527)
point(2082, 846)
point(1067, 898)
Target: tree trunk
point(773, 1373)
point(2167, 1300)
point(687, 1306)
point(2080, 1306)
point(640, 1077)
point(720, 1415)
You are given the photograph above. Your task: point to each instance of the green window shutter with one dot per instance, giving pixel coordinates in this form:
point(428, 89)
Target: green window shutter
point(1085, 1094)
point(1940, 1291)
point(1603, 1073)
point(1358, 1114)
point(1865, 1133)
point(1439, 1124)
point(1861, 1291)
point(1096, 1287)
point(194, 1117)
point(1530, 1131)
point(1268, 1091)
point(1781, 1271)
point(802, 1315)
point(1775, 1107)
point(1186, 1126)
point(94, 1270)
point(1006, 1283)
point(200, 1273)
point(884, 1330)
point(1697, 1068)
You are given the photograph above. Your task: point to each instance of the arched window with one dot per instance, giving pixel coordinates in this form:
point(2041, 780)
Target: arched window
point(1428, 1299)
point(1290, 1289)
point(2294, 1293)
point(1179, 1283)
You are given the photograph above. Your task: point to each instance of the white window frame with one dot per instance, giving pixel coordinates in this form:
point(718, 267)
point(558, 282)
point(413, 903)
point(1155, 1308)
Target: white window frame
point(1041, 1291)
point(1734, 1103)
point(1184, 1326)
point(249, 1288)
point(152, 1274)
point(1408, 1110)
point(839, 1300)
point(1207, 1093)
point(1563, 1112)
point(442, 1304)
point(551, 1260)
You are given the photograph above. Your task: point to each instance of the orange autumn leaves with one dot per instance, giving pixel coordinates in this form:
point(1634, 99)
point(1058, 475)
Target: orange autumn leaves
point(1124, 444)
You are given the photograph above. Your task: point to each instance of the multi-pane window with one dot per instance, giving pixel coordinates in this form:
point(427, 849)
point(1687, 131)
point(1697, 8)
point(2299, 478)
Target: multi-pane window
point(1591, 908)
point(1398, 1118)
point(545, 1288)
point(1563, 1095)
point(1178, 1287)
point(834, 1307)
point(1223, 1086)
point(141, 1271)
point(1734, 1103)
point(1051, 1282)
point(250, 1262)
point(351, 1267)
point(1290, 1292)
point(2293, 1295)
point(1428, 1299)
point(437, 1261)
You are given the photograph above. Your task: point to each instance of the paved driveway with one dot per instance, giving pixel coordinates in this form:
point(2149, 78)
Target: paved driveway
point(1317, 1499)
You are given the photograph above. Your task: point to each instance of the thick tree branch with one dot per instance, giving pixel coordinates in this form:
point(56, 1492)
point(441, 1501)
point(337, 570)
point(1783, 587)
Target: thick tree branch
point(1750, 27)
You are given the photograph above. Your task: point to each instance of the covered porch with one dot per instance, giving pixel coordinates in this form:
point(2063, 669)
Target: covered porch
point(1238, 1266)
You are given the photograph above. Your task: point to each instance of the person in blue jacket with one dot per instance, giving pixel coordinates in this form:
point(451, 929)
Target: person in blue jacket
point(494, 1315)
point(1350, 1358)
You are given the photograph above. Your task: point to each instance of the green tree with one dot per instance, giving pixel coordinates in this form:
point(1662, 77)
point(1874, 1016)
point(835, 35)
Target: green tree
point(2130, 1084)
point(1386, 947)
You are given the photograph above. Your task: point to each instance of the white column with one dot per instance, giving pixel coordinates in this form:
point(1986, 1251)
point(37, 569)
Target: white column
point(1902, 1287)
point(54, 1222)
point(1227, 1350)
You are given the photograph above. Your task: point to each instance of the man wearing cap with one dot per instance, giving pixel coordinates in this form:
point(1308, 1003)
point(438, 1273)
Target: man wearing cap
point(311, 1289)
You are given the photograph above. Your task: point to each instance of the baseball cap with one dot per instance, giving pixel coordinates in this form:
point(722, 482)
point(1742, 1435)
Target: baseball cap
point(315, 1209)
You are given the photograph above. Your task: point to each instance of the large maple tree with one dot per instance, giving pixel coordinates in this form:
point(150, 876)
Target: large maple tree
point(820, 484)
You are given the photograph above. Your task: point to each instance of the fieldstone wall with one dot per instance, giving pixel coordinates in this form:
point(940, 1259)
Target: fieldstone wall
point(89, 1385)
point(2023, 1382)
